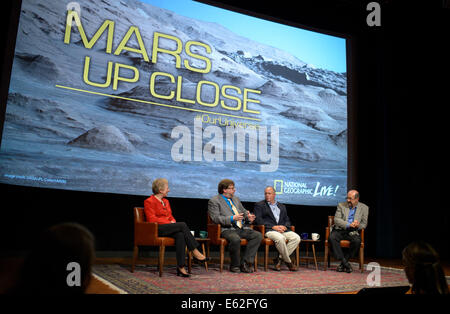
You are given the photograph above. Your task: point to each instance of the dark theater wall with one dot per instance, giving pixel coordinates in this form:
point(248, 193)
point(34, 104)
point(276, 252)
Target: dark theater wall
point(400, 87)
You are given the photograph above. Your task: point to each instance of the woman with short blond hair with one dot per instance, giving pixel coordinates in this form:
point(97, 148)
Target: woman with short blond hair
point(159, 184)
point(157, 209)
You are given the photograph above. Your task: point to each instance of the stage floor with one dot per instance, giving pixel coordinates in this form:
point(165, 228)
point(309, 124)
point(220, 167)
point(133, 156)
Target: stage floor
point(9, 267)
point(99, 287)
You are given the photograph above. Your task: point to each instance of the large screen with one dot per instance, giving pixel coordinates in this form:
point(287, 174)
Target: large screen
point(106, 96)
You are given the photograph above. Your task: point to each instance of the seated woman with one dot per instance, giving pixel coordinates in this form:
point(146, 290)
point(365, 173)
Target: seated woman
point(157, 209)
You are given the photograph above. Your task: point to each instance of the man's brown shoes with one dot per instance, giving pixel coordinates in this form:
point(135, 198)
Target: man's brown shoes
point(277, 265)
point(291, 266)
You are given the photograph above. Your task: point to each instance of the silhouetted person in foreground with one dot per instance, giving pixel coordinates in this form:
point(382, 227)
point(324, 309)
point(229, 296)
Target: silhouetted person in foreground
point(47, 269)
point(423, 269)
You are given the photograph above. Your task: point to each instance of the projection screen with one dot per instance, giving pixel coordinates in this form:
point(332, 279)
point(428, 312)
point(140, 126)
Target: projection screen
point(106, 96)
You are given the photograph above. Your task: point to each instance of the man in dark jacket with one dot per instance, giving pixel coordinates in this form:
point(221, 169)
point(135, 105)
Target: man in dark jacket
point(273, 216)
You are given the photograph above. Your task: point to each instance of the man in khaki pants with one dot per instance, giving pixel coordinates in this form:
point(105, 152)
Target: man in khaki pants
point(274, 216)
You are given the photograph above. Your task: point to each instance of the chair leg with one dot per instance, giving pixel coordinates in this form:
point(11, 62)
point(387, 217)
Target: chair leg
point(256, 262)
point(222, 253)
point(361, 259)
point(266, 257)
point(162, 250)
point(135, 254)
point(297, 255)
point(325, 262)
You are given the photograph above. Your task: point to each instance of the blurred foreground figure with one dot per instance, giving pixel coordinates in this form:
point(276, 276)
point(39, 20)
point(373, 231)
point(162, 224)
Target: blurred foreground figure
point(59, 264)
point(423, 269)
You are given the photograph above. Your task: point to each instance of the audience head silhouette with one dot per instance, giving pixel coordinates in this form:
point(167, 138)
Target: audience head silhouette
point(45, 270)
point(423, 269)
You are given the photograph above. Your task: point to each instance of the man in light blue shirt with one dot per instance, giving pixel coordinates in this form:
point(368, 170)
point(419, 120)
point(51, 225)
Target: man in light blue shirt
point(351, 216)
point(273, 215)
point(275, 210)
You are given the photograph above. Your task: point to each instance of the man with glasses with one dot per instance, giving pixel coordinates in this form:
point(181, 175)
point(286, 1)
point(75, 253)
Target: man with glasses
point(351, 216)
point(226, 209)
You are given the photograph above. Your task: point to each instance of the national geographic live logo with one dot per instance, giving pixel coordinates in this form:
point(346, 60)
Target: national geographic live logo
point(293, 187)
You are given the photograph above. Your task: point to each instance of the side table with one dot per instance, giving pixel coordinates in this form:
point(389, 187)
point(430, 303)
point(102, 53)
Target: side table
point(310, 242)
